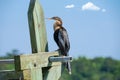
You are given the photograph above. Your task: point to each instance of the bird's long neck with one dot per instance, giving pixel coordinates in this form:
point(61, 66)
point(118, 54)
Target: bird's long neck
point(57, 25)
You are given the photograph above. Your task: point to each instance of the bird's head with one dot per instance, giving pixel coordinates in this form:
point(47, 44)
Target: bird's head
point(57, 19)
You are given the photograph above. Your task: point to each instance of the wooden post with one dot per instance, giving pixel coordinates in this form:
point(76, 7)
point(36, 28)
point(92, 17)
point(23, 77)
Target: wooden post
point(39, 41)
point(37, 33)
point(37, 27)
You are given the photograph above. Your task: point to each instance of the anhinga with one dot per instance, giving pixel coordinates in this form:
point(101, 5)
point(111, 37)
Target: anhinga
point(62, 40)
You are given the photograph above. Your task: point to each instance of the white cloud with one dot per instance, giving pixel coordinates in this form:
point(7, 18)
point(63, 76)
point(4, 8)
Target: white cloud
point(90, 6)
point(70, 6)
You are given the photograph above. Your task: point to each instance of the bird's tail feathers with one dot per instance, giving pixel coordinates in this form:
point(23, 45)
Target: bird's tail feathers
point(68, 66)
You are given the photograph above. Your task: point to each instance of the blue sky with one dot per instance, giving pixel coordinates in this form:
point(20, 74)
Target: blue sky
point(93, 26)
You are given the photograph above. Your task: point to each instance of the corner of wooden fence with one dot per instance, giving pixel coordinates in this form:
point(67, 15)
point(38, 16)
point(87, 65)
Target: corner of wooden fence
point(41, 64)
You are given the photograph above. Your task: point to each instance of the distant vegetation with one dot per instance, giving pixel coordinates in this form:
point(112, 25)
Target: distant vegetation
point(9, 55)
point(93, 69)
point(83, 68)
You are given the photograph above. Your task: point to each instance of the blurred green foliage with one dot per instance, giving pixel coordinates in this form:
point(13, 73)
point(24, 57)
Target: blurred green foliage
point(93, 69)
point(9, 55)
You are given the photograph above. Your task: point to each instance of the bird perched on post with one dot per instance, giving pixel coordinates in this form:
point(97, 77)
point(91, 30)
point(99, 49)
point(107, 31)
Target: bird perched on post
point(62, 40)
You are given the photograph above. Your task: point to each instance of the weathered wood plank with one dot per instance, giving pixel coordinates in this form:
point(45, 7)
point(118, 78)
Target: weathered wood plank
point(33, 74)
point(38, 41)
point(37, 27)
point(37, 60)
point(26, 75)
point(53, 73)
point(36, 74)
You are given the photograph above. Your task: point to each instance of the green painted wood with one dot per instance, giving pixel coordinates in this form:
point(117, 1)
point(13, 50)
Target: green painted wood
point(36, 74)
point(33, 74)
point(37, 27)
point(32, 65)
point(27, 74)
point(53, 73)
point(38, 41)
point(38, 60)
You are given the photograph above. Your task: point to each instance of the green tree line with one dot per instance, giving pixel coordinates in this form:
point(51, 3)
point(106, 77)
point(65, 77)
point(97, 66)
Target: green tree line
point(93, 69)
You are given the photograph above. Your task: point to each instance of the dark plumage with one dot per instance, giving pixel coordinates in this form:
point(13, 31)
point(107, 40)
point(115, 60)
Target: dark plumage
point(61, 38)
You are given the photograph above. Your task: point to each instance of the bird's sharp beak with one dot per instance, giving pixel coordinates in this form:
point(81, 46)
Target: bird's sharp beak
point(49, 18)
